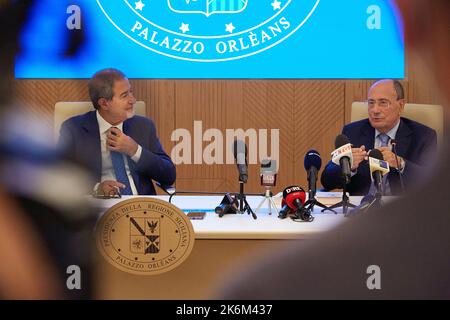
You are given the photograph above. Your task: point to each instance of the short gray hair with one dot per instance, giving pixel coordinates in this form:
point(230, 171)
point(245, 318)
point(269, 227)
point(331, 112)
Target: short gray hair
point(399, 89)
point(101, 84)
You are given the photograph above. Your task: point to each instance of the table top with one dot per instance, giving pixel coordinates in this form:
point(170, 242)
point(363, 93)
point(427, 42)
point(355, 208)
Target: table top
point(243, 226)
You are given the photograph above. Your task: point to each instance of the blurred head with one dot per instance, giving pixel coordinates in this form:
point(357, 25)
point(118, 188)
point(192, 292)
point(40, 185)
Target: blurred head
point(12, 16)
point(386, 101)
point(426, 32)
point(112, 95)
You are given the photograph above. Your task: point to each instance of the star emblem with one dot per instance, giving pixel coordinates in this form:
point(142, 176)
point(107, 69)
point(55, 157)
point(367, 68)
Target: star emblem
point(184, 27)
point(229, 27)
point(139, 5)
point(276, 5)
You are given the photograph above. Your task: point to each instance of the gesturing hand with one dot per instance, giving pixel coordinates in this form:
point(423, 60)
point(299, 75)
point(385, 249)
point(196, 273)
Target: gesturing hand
point(389, 157)
point(116, 140)
point(359, 155)
point(109, 187)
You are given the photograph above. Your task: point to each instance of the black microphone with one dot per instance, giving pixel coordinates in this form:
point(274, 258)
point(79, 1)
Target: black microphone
point(400, 174)
point(240, 154)
point(312, 163)
point(377, 175)
point(343, 156)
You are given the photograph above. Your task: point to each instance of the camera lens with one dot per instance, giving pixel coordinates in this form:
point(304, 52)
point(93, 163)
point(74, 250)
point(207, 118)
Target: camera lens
point(284, 212)
point(222, 209)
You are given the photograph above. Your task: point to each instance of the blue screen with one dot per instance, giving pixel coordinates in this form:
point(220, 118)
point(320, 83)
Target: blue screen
point(225, 39)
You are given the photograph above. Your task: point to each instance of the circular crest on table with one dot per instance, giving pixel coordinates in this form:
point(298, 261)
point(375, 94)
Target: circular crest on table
point(145, 236)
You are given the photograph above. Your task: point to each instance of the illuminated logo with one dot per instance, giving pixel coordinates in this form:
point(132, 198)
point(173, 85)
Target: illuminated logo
point(145, 236)
point(208, 30)
point(207, 7)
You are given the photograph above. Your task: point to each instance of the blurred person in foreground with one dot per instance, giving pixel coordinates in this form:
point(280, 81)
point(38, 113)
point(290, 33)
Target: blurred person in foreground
point(409, 239)
point(45, 222)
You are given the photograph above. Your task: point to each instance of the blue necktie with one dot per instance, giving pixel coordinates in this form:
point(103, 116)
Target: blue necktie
point(120, 171)
point(384, 138)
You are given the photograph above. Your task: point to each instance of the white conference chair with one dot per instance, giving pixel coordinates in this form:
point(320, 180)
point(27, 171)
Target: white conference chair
point(67, 109)
point(427, 114)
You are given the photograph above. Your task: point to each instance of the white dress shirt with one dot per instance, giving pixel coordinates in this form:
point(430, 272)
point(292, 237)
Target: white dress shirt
point(107, 167)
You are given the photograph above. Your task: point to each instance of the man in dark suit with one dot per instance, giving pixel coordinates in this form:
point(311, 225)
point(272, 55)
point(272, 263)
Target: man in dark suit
point(416, 143)
point(400, 251)
point(120, 148)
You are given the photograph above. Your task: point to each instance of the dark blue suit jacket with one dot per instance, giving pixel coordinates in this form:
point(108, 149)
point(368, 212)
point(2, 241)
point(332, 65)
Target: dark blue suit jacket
point(416, 144)
point(80, 140)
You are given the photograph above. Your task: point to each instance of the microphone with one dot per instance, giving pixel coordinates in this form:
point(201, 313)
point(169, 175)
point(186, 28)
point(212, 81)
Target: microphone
point(343, 157)
point(293, 200)
point(312, 163)
point(400, 174)
point(240, 154)
point(378, 168)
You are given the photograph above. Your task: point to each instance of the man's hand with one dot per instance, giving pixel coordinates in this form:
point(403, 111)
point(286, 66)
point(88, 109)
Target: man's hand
point(110, 187)
point(389, 157)
point(116, 140)
point(359, 154)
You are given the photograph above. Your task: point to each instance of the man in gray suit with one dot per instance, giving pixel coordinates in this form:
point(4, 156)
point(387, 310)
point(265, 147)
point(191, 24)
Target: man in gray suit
point(401, 251)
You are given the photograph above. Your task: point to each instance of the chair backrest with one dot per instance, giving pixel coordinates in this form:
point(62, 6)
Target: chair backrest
point(67, 109)
point(427, 114)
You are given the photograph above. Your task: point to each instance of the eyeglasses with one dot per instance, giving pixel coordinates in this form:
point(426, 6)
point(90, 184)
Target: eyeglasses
point(382, 103)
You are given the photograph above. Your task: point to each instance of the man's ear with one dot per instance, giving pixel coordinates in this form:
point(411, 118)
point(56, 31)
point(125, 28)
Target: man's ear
point(402, 103)
point(103, 103)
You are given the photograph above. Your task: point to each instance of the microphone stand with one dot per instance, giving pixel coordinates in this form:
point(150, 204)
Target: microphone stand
point(374, 201)
point(400, 175)
point(243, 204)
point(345, 203)
point(268, 195)
point(312, 201)
point(312, 188)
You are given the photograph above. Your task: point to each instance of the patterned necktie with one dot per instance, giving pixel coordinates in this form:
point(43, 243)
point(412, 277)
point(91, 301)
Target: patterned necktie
point(121, 172)
point(384, 138)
